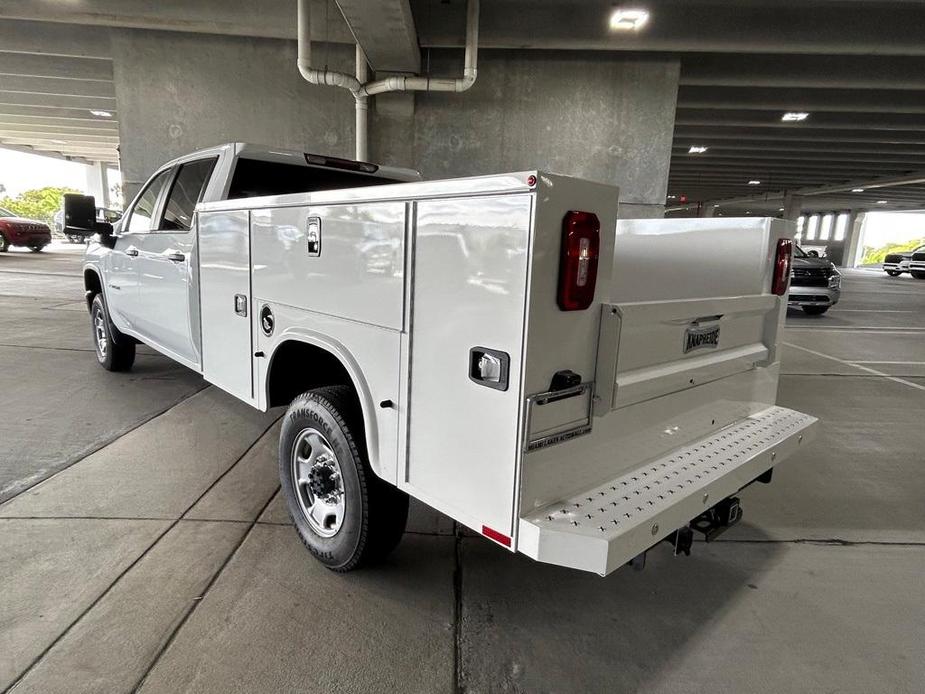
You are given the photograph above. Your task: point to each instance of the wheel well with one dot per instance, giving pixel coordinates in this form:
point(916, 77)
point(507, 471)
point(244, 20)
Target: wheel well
point(92, 285)
point(298, 366)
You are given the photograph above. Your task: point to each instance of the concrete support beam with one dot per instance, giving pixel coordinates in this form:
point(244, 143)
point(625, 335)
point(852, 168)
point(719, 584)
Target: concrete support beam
point(386, 31)
point(783, 99)
point(25, 65)
point(15, 113)
point(52, 38)
point(265, 19)
point(51, 155)
point(55, 101)
point(98, 183)
point(53, 85)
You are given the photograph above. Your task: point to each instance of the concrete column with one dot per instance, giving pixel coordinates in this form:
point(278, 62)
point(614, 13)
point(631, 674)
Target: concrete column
point(98, 183)
point(853, 239)
point(793, 206)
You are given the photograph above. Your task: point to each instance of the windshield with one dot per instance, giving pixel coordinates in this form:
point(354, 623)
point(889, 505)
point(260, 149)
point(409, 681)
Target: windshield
point(799, 252)
point(6, 213)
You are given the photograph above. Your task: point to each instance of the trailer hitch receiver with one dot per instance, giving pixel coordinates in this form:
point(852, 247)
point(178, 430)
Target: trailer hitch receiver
point(718, 519)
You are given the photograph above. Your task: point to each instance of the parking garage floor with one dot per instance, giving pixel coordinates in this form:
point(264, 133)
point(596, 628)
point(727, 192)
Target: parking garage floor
point(143, 544)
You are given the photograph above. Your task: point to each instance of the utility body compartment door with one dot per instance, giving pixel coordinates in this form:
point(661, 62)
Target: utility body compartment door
point(225, 300)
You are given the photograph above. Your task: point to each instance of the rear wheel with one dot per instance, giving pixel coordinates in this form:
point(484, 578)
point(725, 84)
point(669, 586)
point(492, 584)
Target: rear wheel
point(4, 244)
point(893, 273)
point(918, 275)
point(345, 515)
point(815, 310)
point(37, 248)
point(113, 354)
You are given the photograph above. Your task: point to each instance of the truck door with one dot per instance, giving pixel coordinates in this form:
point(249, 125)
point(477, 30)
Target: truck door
point(225, 301)
point(121, 290)
point(168, 273)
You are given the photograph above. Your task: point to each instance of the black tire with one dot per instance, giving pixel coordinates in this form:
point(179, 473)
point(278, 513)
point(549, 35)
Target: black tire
point(815, 310)
point(918, 275)
point(36, 249)
point(118, 353)
point(893, 273)
point(375, 512)
point(4, 244)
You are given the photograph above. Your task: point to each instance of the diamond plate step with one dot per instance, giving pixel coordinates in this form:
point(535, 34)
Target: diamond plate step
point(603, 527)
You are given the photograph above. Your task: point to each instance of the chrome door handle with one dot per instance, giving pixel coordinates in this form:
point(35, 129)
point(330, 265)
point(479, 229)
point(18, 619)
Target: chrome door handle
point(175, 256)
point(132, 251)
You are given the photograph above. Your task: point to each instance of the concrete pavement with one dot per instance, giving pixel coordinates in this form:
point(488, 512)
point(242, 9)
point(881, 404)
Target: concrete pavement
point(162, 559)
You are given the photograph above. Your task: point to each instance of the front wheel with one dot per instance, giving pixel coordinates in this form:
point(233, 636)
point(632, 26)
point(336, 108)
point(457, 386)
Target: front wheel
point(345, 515)
point(918, 275)
point(4, 244)
point(37, 248)
point(893, 273)
point(112, 355)
point(815, 310)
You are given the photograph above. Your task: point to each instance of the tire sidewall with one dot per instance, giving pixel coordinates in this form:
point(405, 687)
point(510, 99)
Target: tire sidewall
point(313, 411)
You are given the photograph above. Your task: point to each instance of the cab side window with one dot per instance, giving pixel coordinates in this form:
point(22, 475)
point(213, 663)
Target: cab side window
point(142, 218)
point(187, 191)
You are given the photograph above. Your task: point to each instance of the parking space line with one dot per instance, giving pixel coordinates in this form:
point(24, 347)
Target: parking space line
point(903, 381)
point(903, 363)
point(868, 310)
point(860, 328)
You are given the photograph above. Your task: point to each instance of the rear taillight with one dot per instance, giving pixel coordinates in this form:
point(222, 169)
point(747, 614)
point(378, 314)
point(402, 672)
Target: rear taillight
point(782, 267)
point(581, 245)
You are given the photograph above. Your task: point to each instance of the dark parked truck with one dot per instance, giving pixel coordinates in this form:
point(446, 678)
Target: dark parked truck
point(498, 347)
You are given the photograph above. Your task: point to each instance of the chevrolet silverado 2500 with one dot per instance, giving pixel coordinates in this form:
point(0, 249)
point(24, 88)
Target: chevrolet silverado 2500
point(499, 347)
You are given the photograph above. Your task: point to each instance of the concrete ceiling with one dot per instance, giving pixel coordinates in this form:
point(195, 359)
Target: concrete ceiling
point(856, 66)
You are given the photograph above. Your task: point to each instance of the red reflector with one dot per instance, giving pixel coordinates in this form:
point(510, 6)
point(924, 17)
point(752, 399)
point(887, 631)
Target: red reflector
point(496, 536)
point(581, 245)
point(782, 267)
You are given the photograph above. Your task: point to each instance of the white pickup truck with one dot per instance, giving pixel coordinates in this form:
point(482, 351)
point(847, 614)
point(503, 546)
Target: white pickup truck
point(499, 347)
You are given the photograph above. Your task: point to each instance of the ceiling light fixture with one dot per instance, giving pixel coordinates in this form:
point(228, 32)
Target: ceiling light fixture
point(628, 19)
point(697, 149)
point(58, 142)
point(794, 116)
point(754, 182)
point(882, 202)
point(857, 190)
point(102, 114)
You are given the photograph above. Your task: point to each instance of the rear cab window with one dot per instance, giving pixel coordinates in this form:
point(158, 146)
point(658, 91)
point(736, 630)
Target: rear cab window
point(187, 191)
point(255, 178)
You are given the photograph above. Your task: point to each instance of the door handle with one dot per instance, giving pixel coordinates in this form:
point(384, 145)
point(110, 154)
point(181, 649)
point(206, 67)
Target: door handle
point(132, 251)
point(175, 256)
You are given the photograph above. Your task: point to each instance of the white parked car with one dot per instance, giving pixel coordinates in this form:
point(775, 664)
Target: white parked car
point(497, 347)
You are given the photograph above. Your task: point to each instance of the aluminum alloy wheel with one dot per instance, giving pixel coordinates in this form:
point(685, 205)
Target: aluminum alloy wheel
point(99, 331)
point(318, 483)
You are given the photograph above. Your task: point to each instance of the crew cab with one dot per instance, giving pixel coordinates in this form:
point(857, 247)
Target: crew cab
point(499, 347)
point(19, 231)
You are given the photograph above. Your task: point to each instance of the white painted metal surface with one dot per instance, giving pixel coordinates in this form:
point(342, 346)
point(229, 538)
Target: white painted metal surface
point(225, 297)
point(602, 527)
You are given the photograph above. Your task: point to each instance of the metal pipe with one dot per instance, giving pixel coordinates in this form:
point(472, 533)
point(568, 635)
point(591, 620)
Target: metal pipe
point(360, 88)
point(331, 78)
point(362, 108)
point(428, 84)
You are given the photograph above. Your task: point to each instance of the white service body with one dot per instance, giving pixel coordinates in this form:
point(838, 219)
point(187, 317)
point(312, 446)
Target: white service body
point(410, 278)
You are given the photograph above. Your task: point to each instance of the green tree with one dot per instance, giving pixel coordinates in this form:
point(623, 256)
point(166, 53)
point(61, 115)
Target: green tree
point(40, 204)
point(873, 256)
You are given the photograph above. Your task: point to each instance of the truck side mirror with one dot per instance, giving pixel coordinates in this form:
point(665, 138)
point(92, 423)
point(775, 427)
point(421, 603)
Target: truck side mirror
point(79, 214)
point(80, 219)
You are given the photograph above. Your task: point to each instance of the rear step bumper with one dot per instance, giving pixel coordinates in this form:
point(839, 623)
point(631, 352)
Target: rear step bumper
point(604, 527)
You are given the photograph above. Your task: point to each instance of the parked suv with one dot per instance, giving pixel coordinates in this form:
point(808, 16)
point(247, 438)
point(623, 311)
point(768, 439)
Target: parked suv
point(895, 264)
point(815, 284)
point(18, 231)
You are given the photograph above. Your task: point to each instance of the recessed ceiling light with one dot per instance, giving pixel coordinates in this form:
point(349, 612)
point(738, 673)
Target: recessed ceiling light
point(780, 209)
point(754, 182)
point(102, 114)
point(794, 116)
point(857, 190)
point(715, 205)
point(625, 19)
point(672, 197)
point(882, 202)
point(58, 142)
point(697, 149)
